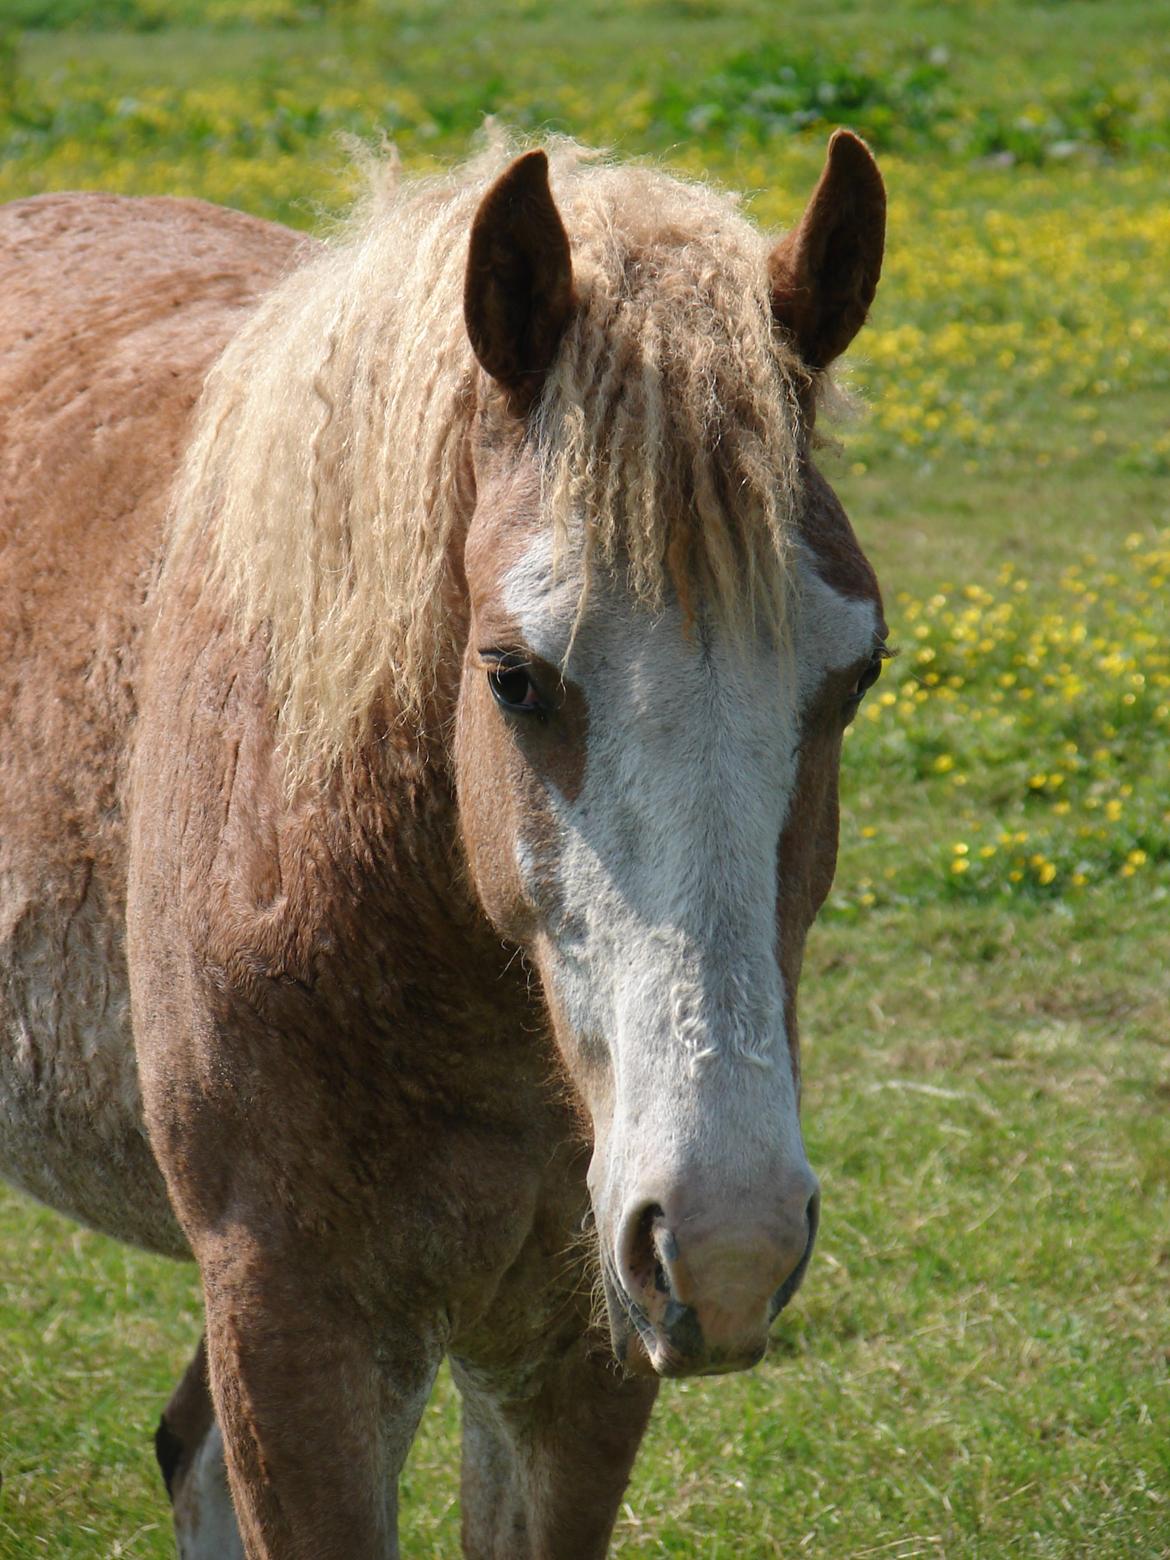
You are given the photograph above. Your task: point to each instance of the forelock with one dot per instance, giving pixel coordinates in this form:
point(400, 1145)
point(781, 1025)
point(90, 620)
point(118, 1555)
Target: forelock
point(327, 478)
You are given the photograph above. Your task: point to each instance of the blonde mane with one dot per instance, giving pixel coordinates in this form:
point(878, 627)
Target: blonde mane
point(328, 476)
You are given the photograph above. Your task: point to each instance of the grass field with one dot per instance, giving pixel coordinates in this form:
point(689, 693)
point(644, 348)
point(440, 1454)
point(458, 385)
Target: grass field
point(979, 1362)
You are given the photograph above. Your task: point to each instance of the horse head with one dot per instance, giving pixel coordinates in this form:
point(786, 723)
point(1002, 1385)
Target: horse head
point(657, 677)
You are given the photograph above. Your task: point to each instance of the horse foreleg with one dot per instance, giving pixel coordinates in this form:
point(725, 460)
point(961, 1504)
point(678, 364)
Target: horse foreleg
point(189, 1449)
point(544, 1469)
point(317, 1413)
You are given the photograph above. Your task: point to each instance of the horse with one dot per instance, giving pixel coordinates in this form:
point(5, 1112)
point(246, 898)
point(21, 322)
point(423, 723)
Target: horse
point(426, 653)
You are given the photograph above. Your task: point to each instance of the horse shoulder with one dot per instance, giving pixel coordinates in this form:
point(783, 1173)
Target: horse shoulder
point(314, 988)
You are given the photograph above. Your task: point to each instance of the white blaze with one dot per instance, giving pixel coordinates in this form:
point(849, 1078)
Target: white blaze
point(665, 948)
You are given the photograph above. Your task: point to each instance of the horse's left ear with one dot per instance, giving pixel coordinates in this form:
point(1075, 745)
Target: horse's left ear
point(518, 292)
point(825, 272)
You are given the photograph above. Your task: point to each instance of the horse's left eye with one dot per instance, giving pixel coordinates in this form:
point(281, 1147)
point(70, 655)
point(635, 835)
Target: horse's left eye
point(866, 681)
point(513, 689)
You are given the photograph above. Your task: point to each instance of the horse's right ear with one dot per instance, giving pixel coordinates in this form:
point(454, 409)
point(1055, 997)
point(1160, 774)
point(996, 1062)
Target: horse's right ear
point(518, 291)
point(825, 272)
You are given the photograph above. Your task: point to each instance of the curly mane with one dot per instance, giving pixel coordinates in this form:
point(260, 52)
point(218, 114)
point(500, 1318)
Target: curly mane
point(328, 472)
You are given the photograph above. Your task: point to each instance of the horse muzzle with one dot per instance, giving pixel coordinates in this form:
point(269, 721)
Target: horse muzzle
point(689, 1296)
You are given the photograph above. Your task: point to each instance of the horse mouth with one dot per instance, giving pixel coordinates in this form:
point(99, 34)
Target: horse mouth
point(676, 1347)
point(674, 1350)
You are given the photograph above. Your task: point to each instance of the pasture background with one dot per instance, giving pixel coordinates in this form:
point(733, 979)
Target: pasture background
point(980, 1359)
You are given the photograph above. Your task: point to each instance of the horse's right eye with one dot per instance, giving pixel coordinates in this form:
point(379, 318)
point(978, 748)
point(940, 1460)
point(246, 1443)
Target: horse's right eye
point(513, 689)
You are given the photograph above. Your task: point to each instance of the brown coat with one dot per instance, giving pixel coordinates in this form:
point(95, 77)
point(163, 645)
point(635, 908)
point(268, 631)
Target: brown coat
point(284, 1025)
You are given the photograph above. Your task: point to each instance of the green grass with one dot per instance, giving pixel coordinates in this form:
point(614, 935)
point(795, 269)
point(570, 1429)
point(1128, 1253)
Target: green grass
point(979, 1362)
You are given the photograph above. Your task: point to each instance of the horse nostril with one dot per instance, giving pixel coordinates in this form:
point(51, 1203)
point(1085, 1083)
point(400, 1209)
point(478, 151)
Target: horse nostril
point(640, 1264)
point(791, 1284)
point(661, 1282)
point(813, 1217)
